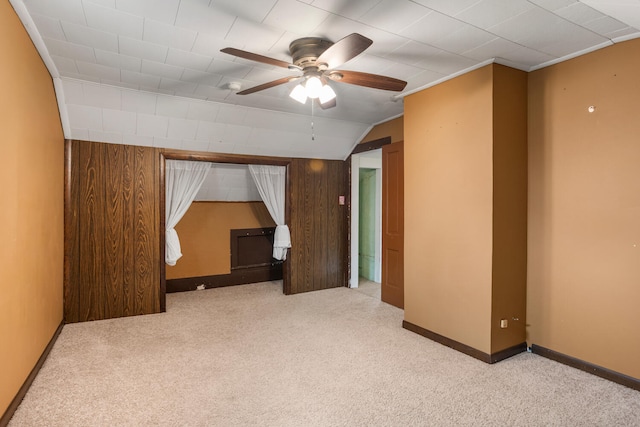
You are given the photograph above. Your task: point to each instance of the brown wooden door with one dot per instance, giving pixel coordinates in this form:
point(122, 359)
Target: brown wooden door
point(393, 224)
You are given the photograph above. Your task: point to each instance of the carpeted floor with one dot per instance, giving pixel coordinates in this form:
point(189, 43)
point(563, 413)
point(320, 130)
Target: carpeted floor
point(248, 355)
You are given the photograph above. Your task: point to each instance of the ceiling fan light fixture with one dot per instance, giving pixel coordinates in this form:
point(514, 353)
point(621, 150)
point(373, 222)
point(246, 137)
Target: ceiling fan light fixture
point(314, 87)
point(326, 94)
point(299, 94)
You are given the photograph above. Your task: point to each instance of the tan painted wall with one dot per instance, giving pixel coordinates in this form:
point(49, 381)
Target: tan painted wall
point(204, 236)
point(31, 254)
point(509, 275)
point(584, 208)
point(448, 208)
point(393, 128)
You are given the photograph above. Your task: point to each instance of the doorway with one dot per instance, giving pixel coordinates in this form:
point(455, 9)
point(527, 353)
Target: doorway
point(366, 214)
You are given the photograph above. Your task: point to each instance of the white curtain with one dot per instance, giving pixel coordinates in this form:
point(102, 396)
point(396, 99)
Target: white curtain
point(270, 181)
point(183, 179)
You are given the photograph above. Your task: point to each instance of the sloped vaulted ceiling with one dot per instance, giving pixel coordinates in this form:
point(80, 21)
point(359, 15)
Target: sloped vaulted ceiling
point(148, 72)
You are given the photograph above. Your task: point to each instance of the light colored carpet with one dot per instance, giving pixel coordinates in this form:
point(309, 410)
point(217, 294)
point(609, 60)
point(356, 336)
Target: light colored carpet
point(248, 355)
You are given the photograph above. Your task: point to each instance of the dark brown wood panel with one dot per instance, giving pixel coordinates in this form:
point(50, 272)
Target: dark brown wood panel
point(113, 236)
point(318, 225)
point(112, 242)
point(128, 232)
point(91, 233)
point(147, 276)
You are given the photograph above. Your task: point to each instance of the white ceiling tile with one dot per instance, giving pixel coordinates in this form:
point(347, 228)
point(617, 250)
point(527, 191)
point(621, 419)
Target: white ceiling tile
point(65, 10)
point(120, 84)
point(505, 49)
point(208, 131)
point(91, 37)
point(231, 114)
point(524, 29)
point(220, 147)
point(212, 93)
point(488, 13)
point(98, 71)
point(70, 50)
point(172, 107)
point(164, 11)
point(201, 77)
point(256, 12)
point(182, 128)
point(394, 15)
point(197, 16)
point(412, 52)
point(142, 49)
point(167, 84)
point(84, 116)
point(252, 35)
point(73, 91)
point(446, 63)
point(236, 134)
point(142, 80)
point(119, 121)
point(605, 25)
point(348, 9)
point(139, 102)
point(108, 137)
point(294, 16)
point(579, 13)
point(105, 3)
point(209, 45)
point(573, 40)
point(190, 60)
point(80, 134)
point(83, 77)
point(552, 5)
point(447, 6)
point(65, 65)
point(168, 35)
point(194, 145)
point(624, 33)
point(432, 27)
point(202, 110)
point(228, 68)
point(166, 143)
point(102, 96)
point(48, 27)
point(464, 39)
point(148, 125)
point(115, 60)
point(627, 11)
point(160, 69)
point(113, 21)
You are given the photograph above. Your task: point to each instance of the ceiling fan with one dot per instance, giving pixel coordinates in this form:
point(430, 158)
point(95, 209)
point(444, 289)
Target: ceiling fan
point(317, 59)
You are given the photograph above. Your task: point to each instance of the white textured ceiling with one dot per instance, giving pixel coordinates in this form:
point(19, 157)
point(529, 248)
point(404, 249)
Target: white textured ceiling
point(150, 72)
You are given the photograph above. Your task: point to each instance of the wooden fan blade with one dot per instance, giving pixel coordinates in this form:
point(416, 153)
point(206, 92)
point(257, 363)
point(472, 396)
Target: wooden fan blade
point(255, 57)
point(343, 50)
point(369, 80)
point(267, 85)
point(328, 104)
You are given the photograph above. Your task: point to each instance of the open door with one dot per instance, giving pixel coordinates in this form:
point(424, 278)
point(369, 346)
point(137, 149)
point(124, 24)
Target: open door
point(393, 224)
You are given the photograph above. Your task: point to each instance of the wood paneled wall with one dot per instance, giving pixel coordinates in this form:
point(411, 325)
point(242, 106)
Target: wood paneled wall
point(112, 231)
point(318, 223)
point(114, 255)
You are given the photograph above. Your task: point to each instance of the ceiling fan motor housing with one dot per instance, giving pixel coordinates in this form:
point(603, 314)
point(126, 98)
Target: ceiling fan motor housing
point(305, 51)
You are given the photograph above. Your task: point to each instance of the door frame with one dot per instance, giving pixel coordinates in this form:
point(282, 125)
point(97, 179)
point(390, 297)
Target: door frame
point(354, 200)
point(366, 161)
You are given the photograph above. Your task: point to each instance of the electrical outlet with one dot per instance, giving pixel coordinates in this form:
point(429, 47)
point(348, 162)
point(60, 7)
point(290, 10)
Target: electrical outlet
point(504, 323)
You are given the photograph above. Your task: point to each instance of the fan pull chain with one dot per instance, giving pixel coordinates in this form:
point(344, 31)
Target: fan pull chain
point(313, 135)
